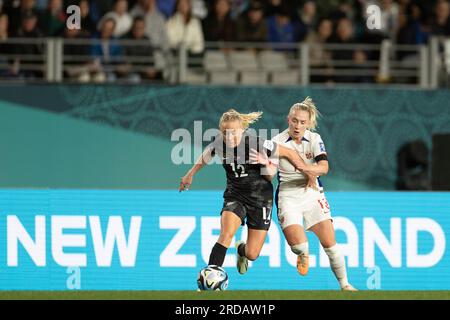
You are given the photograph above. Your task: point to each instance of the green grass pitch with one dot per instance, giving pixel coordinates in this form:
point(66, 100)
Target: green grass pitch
point(225, 295)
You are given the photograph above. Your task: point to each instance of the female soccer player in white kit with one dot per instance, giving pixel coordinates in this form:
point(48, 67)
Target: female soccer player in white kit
point(301, 207)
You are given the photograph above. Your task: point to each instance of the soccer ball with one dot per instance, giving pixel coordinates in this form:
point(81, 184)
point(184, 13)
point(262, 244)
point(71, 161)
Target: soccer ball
point(212, 278)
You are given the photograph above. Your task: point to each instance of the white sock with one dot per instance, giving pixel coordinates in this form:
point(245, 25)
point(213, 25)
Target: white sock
point(301, 248)
point(337, 263)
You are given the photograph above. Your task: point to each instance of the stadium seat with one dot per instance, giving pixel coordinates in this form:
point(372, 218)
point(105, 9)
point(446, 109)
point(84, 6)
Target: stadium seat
point(195, 77)
point(277, 65)
point(218, 69)
point(223, 77)
point(215, 61)
point(246, 63)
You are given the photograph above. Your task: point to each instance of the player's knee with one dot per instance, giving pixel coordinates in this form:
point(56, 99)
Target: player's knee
point(251, 255)
point(329, 244)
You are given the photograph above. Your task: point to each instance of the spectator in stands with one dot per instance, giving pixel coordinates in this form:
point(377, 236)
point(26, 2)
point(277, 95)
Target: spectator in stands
point(389, 18)
point(408, 34)
point(121, 17)
point(107, 54)
point(29, 29)
point(42, 4)
point(140, 8)
point(441, 22)
point(281, 28)
point(306, 19)
point(73, 68)
point(353, 58)
point(238, 7)
point(318, 55)
point(343, 35)
point(16, 14)
point(87, 22)
point(219, 26)
point(346, 9)
point(407, 30)
point(183, 28)
point(155, 23)
point(271, 6)
point(404, 6)
point(167, 7)
point(53, 20)
point(101, 7)
point(142, 52)
point(199, 9)
point(11, 69)
point(4, 21)
point(252, 27)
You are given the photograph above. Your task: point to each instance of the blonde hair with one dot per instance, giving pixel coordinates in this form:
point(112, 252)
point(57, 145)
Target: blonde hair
point(245, 118)
point(309, 106)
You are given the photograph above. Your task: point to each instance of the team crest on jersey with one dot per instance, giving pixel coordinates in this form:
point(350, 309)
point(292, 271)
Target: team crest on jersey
point(308, 155)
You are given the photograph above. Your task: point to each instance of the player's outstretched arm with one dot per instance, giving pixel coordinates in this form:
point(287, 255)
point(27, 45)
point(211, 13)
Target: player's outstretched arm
point(204, 158)
point(270, 168)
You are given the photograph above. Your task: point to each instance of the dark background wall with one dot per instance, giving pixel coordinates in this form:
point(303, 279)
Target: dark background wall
point(56, 136)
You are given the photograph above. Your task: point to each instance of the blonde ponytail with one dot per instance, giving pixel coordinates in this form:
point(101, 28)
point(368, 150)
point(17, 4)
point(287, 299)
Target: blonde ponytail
point(245, 118)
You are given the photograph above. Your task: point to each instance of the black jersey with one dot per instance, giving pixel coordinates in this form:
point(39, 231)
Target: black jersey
point(245, 181)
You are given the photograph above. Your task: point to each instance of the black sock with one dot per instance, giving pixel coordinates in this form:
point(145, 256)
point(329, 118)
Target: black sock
point(241, 249)
point(217, 256)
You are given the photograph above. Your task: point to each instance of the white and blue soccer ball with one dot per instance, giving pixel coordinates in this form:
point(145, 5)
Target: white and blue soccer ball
point(212, 278)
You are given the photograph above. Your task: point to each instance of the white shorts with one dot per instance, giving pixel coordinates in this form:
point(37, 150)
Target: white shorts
point(303, 207)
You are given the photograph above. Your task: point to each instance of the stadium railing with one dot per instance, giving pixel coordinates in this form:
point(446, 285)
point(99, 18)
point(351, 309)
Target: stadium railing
point(385, 63)
point(26, 58)
point(78, 60)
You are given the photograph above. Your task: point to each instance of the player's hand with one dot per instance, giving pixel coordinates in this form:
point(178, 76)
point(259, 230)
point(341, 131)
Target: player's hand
point(311, 182)
point(185, 183)
point(257, 157)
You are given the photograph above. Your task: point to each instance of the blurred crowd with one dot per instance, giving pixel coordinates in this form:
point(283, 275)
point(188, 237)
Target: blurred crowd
point(168, 23)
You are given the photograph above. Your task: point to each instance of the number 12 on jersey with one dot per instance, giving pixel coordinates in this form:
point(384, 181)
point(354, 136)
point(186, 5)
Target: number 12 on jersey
point(242, 171)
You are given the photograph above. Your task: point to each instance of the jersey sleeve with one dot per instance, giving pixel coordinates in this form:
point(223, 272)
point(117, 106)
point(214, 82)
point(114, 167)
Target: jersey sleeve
point(319, 151)
point(267, 146)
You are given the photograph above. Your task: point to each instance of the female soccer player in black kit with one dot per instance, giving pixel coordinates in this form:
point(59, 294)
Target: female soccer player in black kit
point(249, 194)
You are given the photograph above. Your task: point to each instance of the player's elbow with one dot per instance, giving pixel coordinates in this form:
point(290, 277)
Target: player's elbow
point(324, 167)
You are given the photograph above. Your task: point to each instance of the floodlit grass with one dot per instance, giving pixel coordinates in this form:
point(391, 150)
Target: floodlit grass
point(225, 295)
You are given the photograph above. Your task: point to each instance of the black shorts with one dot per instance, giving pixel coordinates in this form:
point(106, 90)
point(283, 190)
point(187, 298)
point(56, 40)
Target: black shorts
point(258, 218)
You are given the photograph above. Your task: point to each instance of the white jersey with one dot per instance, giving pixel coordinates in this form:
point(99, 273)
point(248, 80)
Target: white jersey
point(309, 149)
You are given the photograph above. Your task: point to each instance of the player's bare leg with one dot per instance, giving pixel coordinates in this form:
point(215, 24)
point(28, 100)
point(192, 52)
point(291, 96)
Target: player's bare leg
point(325, 232)
point(229, 224)
point(250, 250)
point(297, 240)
